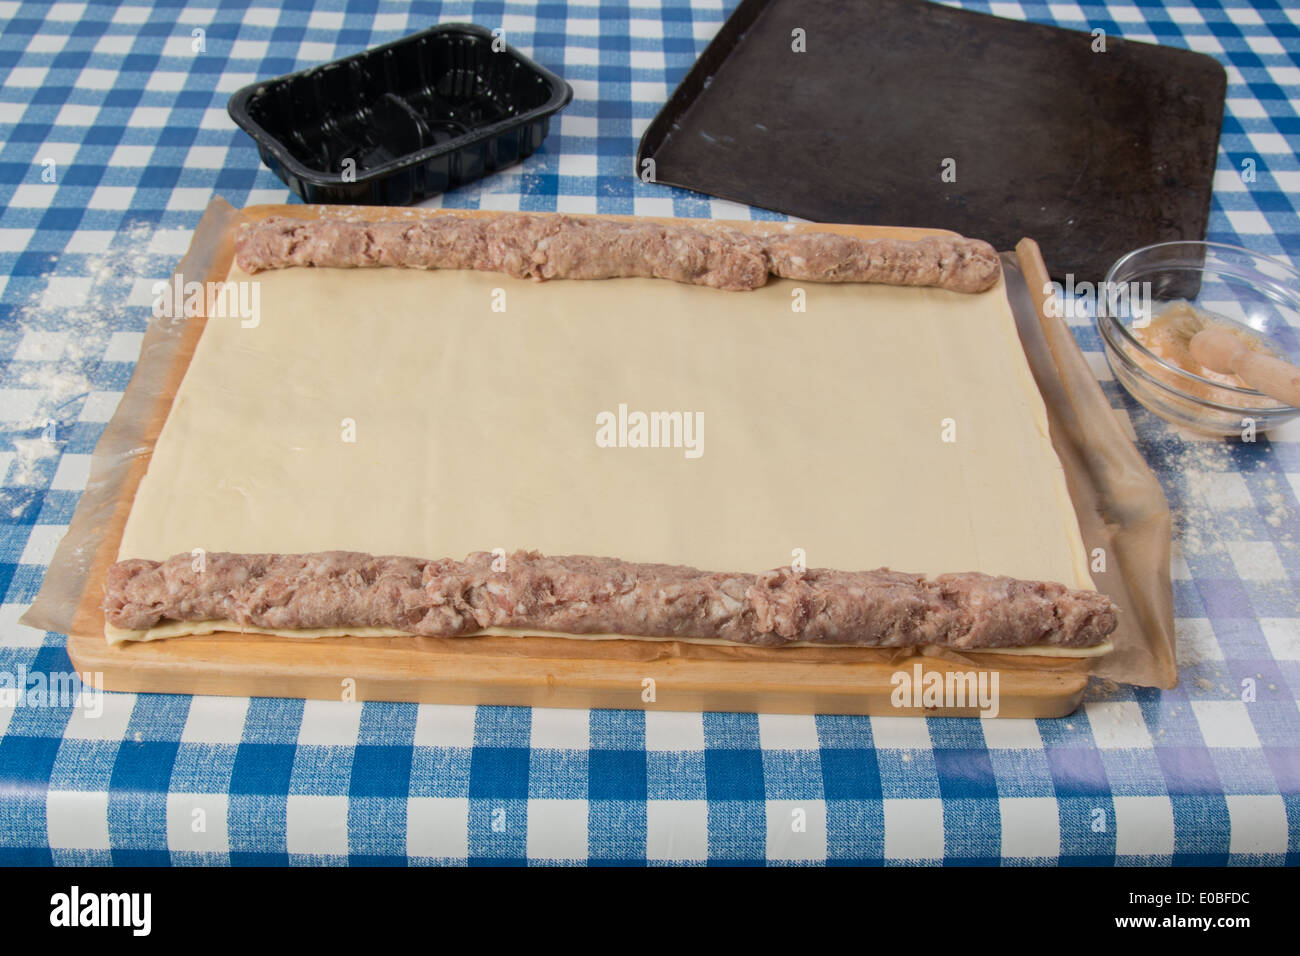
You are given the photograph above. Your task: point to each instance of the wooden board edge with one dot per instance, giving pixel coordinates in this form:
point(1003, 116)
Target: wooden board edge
point(673, 684)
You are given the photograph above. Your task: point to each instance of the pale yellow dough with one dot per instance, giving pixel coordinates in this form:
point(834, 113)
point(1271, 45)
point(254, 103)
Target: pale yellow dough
point(192, 628)
point(475, 429)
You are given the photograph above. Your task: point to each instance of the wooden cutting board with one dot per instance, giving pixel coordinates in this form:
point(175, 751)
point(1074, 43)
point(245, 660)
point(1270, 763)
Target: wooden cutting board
point(530, 671)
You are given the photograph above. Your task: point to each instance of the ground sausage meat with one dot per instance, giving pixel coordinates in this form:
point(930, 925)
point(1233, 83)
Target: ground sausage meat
point(962, 265)
point(591, 595)
point(576, 247)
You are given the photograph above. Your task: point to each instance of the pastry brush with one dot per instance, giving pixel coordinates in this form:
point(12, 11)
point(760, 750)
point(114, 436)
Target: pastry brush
point(1214, 345)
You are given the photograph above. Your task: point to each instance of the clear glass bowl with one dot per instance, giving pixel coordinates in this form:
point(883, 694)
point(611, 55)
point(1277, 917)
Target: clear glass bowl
point(1255, 291)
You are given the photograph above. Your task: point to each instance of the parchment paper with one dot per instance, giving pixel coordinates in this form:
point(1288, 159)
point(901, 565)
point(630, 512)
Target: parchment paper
point(1120, 506)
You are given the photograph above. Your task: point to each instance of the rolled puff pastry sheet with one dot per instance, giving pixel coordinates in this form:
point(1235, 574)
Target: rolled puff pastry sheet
point(438, 413)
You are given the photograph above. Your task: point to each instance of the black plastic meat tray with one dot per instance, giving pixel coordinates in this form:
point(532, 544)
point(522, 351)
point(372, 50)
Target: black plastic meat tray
point(400, 122)
point(855, 112)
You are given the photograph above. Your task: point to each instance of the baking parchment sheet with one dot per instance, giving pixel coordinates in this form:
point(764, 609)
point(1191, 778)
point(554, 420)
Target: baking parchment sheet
point(1120, 506)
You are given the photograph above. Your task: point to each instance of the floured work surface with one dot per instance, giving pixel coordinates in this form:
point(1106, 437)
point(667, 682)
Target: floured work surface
point(823, 431)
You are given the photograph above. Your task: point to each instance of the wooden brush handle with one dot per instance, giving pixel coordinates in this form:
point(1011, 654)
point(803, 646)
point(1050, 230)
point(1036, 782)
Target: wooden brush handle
point(1220, 350)
point(1272, 376)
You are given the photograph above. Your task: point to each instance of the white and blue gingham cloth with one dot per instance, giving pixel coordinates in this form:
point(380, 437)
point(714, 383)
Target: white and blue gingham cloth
point(112, 103)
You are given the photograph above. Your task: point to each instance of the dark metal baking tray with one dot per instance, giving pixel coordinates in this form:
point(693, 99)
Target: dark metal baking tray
point(1093, 154)
point(400, 122)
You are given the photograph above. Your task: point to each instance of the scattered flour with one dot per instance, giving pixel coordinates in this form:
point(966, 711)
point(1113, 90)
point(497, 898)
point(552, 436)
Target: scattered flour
point(63, 383)
point(1197, 466)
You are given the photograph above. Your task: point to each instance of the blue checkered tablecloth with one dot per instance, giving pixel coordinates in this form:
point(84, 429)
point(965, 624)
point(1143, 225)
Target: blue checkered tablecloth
point(114, 136)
